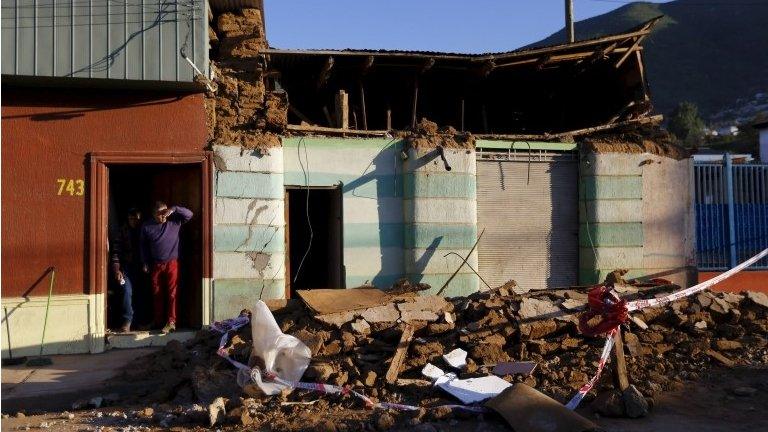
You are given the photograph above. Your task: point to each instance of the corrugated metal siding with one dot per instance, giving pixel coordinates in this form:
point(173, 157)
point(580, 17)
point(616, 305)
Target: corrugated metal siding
point(117, 39)
point(530, 220)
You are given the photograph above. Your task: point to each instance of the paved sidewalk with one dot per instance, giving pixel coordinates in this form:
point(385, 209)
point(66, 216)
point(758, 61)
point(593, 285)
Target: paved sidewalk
point(69, 378)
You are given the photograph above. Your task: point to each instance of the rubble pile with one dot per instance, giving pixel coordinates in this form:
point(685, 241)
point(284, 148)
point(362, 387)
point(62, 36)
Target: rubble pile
point(355, 348)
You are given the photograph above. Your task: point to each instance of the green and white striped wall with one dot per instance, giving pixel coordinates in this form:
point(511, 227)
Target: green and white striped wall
point(610, 215)
point(441, 218)
point(635, 214)
point(248, 232)
point(370, 172)
point(400, 218)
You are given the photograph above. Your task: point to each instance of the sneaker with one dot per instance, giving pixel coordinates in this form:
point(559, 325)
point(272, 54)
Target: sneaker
point(125, 327)
point(170, 327)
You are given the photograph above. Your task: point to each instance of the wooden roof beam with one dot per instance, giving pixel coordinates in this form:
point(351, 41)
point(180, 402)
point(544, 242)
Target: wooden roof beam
point(631, 49)
point(325, 72)
point(367, 65)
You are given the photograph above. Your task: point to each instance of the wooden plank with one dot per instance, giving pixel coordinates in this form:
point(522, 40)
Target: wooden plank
point(335, 131)
point(342, 110)
point(630, 51)
point(415, 102)
point(326, 301)
point(620, 363)
point(399, 357)
point(362, 106)
point(725, 361)
point(543, 137)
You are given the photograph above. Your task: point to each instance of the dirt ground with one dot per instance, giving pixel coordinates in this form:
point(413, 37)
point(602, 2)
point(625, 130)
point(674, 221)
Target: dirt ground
point(707, 405)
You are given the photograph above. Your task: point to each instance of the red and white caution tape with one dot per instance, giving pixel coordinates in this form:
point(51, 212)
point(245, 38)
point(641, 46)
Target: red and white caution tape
point(576, 399)
point(640, 304)
point(248, 375)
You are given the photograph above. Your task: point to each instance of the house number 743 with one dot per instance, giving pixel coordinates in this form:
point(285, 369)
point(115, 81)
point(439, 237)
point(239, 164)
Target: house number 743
point(73, 187)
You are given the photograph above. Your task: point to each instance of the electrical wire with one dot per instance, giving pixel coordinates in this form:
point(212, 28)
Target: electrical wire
point(309, 222)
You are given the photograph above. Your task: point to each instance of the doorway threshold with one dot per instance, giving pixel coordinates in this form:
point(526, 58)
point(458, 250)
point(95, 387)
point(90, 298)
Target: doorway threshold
point(139, 339)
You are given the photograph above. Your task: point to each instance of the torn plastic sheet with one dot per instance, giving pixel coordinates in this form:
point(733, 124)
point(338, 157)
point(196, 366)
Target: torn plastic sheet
point(283, 355)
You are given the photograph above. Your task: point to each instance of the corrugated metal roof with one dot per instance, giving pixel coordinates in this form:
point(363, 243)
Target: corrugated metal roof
point(104, 40)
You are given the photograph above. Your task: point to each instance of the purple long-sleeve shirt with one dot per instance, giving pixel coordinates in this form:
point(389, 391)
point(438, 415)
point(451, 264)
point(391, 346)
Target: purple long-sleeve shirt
point(160, 241)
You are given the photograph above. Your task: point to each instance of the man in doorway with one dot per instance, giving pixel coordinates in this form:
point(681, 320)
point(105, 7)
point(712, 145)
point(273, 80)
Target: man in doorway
point(125, 263)
point(160, 257)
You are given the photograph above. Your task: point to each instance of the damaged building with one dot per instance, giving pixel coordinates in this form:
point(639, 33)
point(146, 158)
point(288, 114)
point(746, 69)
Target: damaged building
point(332, 169)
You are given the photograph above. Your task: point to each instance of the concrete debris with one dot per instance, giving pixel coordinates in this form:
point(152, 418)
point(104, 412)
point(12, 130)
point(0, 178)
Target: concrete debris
point(758, 298)
point(432, 372)
point(361, 326)
point(498, 330)
point(531, 308)
point(511, 368)
point(457, 358)
point(472, 390)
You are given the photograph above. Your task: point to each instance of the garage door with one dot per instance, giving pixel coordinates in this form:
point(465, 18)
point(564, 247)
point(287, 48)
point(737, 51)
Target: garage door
point(528, 205)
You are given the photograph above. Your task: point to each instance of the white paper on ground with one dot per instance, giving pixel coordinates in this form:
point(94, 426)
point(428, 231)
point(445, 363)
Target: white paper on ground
point(473, 389)
point(282, 354)
point(457, 358)
point(432, 372)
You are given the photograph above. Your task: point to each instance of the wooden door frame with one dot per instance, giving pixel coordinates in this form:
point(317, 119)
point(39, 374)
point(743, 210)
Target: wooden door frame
point(98, 208)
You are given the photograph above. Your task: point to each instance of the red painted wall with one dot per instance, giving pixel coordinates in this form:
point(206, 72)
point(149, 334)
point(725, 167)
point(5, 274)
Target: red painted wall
point(748, 280)
point(46, 135)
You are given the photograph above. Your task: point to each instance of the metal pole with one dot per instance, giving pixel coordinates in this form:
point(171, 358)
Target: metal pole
point(569, 21)
point(731, 211)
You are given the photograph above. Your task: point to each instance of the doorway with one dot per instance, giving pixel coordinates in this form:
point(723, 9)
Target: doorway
point(314, 237)
point(139, 186)
point(120, 181)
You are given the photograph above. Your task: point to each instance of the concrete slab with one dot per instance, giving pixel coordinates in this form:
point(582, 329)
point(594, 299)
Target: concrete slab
point(69, 378)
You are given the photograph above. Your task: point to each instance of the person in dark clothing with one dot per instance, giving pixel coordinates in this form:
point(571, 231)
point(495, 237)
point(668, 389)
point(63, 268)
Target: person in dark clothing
point(126, 264)
point(160, 257)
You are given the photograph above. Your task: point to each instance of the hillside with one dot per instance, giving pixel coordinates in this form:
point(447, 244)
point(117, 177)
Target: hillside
point(710, 52)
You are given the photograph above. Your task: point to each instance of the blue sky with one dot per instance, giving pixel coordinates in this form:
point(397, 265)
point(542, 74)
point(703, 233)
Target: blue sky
point(469, 26)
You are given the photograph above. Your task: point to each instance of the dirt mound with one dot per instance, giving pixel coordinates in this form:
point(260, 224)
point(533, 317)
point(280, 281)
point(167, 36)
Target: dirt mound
point(638, 140)
point(427, 135)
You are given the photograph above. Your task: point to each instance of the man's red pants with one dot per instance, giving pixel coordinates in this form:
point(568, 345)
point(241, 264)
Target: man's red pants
point(165, 278)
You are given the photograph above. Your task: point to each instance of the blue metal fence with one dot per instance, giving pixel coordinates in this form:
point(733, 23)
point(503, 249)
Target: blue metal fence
point(731, 205)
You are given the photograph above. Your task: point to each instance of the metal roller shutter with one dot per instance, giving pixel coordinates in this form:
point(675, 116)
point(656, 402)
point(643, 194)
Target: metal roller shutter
point(529, 210)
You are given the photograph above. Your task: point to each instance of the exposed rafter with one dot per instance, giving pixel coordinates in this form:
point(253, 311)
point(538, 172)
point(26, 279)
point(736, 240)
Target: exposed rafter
point(325, 72)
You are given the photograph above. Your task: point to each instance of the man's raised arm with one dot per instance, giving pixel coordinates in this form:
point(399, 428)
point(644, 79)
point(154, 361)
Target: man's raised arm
point(182, 214)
